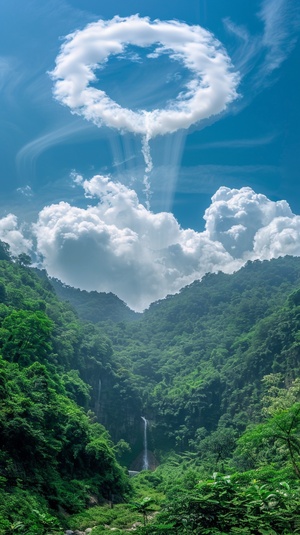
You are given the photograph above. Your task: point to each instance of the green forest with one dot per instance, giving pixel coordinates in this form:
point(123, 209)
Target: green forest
point(214, 371)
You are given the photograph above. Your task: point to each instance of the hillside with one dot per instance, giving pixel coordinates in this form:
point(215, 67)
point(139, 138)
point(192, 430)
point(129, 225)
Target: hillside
point(201, 366)
point(54, 454)
point(94, 306)
point(198, 357)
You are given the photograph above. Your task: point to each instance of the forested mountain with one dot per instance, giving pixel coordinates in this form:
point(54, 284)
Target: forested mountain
point(54, 452)
point(197, 358)
point(195, 361)
point(201, 366)
point(94, 306)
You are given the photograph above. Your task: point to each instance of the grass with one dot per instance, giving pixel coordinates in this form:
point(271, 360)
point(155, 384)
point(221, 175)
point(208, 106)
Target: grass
point(123, 516)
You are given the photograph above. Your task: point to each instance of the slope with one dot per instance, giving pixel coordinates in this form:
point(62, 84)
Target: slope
point(198, 357)
point(54, 455)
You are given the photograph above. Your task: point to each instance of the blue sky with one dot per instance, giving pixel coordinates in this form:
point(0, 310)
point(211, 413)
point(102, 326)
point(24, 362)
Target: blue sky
point(50, 152)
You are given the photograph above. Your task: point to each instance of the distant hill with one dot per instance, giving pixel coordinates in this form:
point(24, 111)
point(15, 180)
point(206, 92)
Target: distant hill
point(94, 306)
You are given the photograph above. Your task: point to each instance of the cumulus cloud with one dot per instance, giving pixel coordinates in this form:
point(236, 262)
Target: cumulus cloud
point(235, 216)
point(211, 89)
point(120, 246)
point(117, 245)
point(12, 234)
point(281, 236)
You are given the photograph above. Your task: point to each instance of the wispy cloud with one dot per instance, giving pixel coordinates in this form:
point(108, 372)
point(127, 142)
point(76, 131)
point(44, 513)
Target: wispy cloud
point(12, 76)
point(122, 162)
point(26, 191)
point(207, 178)
point(247, 48)
point(6, 70)
point(281, 19)
point(259, 55)
point(236, 143)
point(27, 156)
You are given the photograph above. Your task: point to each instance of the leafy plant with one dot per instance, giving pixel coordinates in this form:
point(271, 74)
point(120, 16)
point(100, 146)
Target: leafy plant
point(143, 507)
point(223, 505)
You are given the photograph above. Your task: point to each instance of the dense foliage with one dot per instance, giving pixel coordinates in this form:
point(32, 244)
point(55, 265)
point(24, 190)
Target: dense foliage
point(50, 445)
point(94, 306)
point(226, 505)
point(214, 369)
point(53, 454)
point(199, 357)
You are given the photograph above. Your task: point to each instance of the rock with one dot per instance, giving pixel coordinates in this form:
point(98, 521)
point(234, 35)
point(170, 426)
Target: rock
point(88, 530)
point(69, 532)
point(93, 500)
point(133, 473)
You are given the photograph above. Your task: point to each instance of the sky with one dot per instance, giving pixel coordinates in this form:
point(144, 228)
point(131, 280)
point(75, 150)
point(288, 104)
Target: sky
point(145, 143)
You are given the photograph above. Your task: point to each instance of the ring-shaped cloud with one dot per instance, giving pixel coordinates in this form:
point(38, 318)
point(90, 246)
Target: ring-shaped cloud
point(211, 89)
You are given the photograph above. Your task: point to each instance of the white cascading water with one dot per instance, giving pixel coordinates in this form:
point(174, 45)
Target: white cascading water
point(145, 455)
point(98, 399)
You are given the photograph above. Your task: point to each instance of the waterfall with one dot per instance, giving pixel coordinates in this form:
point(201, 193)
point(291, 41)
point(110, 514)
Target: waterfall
point(97, 406)
point(145, 455)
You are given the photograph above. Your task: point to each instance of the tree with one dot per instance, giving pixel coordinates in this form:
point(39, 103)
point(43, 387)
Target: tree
point(4, 251)
point(215, 448)
point(277, 439)
point(26, 336)
point(143, 507)
point(2, 293)
point(24, 259)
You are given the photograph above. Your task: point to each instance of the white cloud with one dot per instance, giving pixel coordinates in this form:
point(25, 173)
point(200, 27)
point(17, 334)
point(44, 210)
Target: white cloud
point(238, 143)
point(212, 88)
point(119, 246)
point(29, 153)
point(13, 235)
point(235, 216)
point(281, 20)
point(25, 191)
point(280, 237)
point(257, 56)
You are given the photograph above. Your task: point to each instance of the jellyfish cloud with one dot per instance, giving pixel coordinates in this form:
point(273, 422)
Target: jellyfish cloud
point(211, 88)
